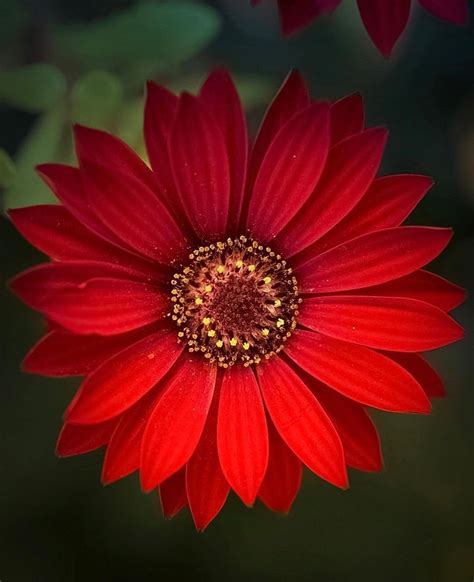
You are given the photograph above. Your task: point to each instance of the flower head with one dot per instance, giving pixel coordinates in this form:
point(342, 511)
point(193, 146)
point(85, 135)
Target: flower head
point(234, 315)
point(384, 20)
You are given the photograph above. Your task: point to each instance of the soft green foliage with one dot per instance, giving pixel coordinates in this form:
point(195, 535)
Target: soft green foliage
point(34, 88)
point(12, 20)
point(7, 169)
point(96, 98)
point(42, 145)
point(166, 34)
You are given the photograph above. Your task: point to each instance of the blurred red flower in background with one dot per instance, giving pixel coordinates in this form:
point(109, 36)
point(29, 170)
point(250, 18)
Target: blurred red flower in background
point(384, 20)
point(234, 314)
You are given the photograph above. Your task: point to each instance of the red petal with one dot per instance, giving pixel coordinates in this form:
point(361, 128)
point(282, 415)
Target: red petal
point(160, 112)
point(206, 485)
point(66, 183)
point(292, 97)
point(221, 97)
point(422, 371)
point(242, 436)
point(176, 424)
point(347, 117)
point(357, 431)
point(134, 213)
point(423, 286)
point(373, 258)
point(54, 231)
point(357, 372)
point(387, 202)
point(351, 167)
point(201, 168)
point(102, 148)
point(456, 11)
point(297, 15)
point(386, 323)
point(283, 477)
point(75, 296)
point(286, 179)
point(301, 421)
point(384, 20)
point(123, 453)
point(60, 353)
point(125, 378)
point(173, 494)
point(75, 439)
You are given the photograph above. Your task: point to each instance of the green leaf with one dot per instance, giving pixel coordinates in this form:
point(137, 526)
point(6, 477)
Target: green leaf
point(7, 169)
point(166, 33)
point(34, 88)
point(41, 145)
point(96, 99)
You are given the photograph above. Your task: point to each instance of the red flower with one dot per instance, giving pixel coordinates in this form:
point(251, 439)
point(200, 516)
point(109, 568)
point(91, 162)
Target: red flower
point(385, 20)
point(303, 302)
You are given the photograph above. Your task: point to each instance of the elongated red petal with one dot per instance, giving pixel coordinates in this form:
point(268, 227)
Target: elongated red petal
point(422, 371)
point(66, 183)
point(387, 323)
point(301, 421)
point(123, 452)
point(421, 285)
point(134, 213)
point(373, 258)
point(176, 424)
point(357, 431)
point(60, 353)
point(296, 15)
point(283, 476)
point(125, 378)
point(384, 20)
point(456, 11)
point(351, 167)
point(221, 97)
point(242, 436)
point(201, 168)
point(160, 112)
point(358, 373)
point(293, 96)
point(173, 494)
point(207, 487)
point(53, 230)
point(286, 179)
point(75, 439)
point(386, 204)
point(102, 148)
point(76, 297)
point(347, 117)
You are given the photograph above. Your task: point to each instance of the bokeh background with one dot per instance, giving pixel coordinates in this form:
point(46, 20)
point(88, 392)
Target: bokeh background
point(62, 62)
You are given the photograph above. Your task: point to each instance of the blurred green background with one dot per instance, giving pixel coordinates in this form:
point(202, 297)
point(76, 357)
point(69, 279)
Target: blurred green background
point(86, 61)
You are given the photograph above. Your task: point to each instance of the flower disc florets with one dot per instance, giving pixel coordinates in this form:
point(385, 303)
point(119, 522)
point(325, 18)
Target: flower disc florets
point(235, 301)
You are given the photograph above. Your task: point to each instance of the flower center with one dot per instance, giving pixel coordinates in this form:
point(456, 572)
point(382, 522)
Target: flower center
point(235, 301)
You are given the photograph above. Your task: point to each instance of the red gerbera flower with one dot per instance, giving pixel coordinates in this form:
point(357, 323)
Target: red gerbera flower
point(235, 317)
point(385, 20)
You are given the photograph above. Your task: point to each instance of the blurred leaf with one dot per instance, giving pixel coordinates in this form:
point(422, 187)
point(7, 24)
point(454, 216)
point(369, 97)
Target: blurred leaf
point(96, 98)
point(253, 90)
point(7, 169)
point(41, 145)
point(167, 33)
point(130, 126)
point(32, 88)
point(12, 19)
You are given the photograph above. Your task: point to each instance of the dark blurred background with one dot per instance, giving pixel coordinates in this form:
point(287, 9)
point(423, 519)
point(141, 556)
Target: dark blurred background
point(86, 61)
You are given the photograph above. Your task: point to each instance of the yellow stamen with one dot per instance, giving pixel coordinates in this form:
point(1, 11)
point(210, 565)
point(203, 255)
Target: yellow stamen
point(280, 322)
point(198, 301)
point(251, 268)
point(219, 343)
point(239, 264)
point(265, 331)
point(208, 288)
point(277, 303)
point(206, 320)
point(246, 345)
point(220, 269)
point(233, 341)
point(267, 280)
point(211, 333)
